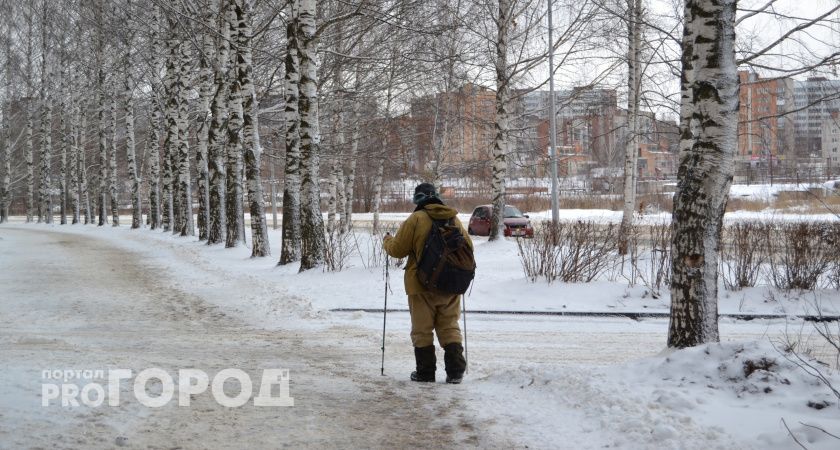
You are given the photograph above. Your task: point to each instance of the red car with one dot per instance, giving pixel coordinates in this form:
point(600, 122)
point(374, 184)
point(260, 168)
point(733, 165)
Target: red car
point(516, 223)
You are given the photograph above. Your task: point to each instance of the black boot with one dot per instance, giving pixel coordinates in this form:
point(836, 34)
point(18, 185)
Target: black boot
point(453, 357)
point(426, 364)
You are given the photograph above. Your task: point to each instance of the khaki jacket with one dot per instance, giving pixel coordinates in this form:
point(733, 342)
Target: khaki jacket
point(411, 237)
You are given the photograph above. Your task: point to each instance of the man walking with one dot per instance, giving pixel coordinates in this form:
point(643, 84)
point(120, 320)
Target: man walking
point(430, 311)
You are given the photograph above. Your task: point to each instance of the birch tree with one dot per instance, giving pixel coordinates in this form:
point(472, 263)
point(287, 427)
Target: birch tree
point(313, 242)
point(128, 105)
point(235, 234)
point(65, 140)
point(250, 132)
point(44, 192)
point(504, 22)
point(5, 127)
point(708, 130)
point(204, 120)
point(215, 136)
point(634, 81)
point(100, 100)
point(84, 187)
point(153, 143)
point(170, 142)
point(75, 149)
point(291, 235)
point(130, 151)
point(112, 161)
point(30, 170)
point(185, 223)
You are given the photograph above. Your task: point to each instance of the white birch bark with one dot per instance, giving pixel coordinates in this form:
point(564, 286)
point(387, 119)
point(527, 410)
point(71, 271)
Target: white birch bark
point(204, 119)
point(6, 154)
point(217, 225)
point(332, 186)
point(186, 227)
point(75, 148)
point(130, 150)
point(631, 157)
point(708, 130)
point(354, 151)
point(44, 194)
point(30, 170)
point(377, 192)
point(291, 234)
point(313, 242)
point(112, 162)
point(84, 187)
point(100, 92)
point(153, 143)
point(65, 145)
point(235, 234)
point(170, 142)
point(6, 182)
point(154, 165)
point(250, 134)
point(501, 142)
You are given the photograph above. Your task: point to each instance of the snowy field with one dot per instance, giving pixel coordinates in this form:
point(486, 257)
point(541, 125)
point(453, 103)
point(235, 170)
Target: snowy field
point(82, 297)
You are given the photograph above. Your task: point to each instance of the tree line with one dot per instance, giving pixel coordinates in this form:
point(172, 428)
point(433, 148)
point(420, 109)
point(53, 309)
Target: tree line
point(174, 100)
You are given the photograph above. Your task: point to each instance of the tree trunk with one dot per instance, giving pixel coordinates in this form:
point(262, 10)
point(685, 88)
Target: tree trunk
point(215, 138)
point(291, 234)
point(233, 166)
point(631, 156)
point(6, 182)
point(131, 155)
point(377, 192)
point(313, 242)
point(204, 118)
point(112, 163)
point(30, 170)
point(250, 133)
point(65, 147)
point(501, 144)
point(354, 151)
point(708, 130)
point(44, 194)
point(186, 226)
point(153, 144)
point(84, 188)
point(75, 149)
point(100, 92)
point(171, 208)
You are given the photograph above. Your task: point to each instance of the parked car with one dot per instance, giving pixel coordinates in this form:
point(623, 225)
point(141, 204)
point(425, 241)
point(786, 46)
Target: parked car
point(516, 223)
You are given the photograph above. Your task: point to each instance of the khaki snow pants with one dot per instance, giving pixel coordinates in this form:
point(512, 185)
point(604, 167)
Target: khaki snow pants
point(430, 311)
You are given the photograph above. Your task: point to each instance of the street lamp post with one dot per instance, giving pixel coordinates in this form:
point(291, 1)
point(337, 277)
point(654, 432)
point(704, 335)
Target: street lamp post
point(552, 120)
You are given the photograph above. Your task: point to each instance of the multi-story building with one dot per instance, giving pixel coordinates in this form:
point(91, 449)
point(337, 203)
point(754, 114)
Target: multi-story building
point(457, 129)
point(765, 127)
point(816, 99)
point(586, 123)
point(830, 136)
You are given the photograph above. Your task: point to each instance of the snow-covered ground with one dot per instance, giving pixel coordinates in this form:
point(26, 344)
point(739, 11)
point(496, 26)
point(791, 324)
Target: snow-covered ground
point(82, 297)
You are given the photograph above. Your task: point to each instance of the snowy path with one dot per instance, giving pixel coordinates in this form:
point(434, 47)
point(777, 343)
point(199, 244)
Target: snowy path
point(97, 308)
point(72, 300)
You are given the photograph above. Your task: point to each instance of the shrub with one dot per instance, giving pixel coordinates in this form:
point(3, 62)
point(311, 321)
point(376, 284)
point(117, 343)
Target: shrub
point(743, 253)
point(569, 252)
point(801, 254)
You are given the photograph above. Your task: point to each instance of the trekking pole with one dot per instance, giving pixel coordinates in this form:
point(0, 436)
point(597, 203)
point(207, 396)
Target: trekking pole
point(466, 353)
point(384, 317)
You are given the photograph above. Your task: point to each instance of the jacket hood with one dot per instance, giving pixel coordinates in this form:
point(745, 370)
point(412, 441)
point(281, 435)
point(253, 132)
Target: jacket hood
point(440, 212)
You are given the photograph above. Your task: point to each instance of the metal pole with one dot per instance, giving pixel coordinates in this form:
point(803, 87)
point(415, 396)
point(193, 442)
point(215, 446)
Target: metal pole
point(384, 318)
point(552, 120)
